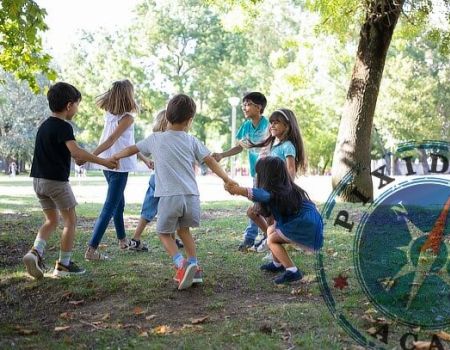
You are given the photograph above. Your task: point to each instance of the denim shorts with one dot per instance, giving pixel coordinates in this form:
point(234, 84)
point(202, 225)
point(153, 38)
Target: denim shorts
point(177, 212)
point(150, 204)
point(54, 194)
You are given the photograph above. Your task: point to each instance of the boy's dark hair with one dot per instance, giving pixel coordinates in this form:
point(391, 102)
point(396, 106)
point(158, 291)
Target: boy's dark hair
point(60, 94)
point(180, 108)
point(256, 97)
point(286, 196)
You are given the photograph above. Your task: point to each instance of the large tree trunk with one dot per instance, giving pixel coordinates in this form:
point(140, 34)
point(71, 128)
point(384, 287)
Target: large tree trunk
point(352, 152)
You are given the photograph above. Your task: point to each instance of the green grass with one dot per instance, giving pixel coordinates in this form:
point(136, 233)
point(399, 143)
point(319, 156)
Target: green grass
point(245, 310)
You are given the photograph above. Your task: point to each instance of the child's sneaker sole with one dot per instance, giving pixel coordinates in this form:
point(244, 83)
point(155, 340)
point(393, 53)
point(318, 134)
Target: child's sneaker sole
point(65, 271)
point(31, 264)
point(58, 273)
point(188, 277)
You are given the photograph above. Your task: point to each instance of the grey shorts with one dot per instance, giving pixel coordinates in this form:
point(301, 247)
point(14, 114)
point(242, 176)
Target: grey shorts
point(177, 211)
point(54, 194)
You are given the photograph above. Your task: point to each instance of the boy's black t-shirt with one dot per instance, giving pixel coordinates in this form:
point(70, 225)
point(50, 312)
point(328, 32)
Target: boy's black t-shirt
point(51, 159)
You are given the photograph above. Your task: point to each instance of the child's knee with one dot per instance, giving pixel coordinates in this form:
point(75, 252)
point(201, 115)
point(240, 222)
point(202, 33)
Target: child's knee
point(251, 213)
point(52, 223)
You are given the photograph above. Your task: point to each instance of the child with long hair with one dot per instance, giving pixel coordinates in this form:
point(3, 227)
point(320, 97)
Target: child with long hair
point(150, 204)
point(296, 218)
point(285, 142)
point(118, 133)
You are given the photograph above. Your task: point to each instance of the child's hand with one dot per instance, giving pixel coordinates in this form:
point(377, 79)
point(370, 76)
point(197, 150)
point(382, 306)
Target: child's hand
point(231, 187)
point(244, 143)
point(217, 156)
point(79, 162)
point(150, 164)
point(231, 182)
point(111, 163)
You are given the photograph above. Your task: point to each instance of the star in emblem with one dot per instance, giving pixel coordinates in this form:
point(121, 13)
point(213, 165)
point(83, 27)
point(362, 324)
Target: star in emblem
point(429, 252)
point(340, 282)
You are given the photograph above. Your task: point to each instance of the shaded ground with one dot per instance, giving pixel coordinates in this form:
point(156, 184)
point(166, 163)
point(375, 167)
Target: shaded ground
point(134, 296)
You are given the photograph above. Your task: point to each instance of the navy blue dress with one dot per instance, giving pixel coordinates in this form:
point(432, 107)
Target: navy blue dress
point(304, 228)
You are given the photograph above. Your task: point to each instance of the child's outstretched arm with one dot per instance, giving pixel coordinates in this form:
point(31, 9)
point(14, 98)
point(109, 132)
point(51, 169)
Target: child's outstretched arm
point(83, 156)
point(123, 125)
point(231, 152)
point(148, 162)
point(217, 169)
point(235, 189)
point(126, 152)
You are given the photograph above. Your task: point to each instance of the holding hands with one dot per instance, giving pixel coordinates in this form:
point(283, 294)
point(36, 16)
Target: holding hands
point(110, 163)
point(217, 156)
point(79, 161)
point(232, 187)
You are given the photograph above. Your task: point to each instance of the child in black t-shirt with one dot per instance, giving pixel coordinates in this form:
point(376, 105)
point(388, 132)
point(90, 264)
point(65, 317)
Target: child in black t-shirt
point(55, 145)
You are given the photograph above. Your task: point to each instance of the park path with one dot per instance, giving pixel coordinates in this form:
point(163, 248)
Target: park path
point(92, 189)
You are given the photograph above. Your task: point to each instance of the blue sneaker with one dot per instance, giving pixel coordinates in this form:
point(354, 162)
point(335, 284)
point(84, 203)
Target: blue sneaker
point(271, 267)
point(288, 277)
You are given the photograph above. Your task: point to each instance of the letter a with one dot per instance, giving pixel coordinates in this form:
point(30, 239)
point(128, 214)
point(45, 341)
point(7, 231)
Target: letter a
point(380, 174)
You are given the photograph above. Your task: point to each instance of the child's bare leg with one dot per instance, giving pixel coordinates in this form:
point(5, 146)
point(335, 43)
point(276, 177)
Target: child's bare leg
point(140, 228)
point(50, 224)
point(33, 259)
point(189, 244)
point(168, 243)
point(68, 235)
point(259, 220)
point(275, 243)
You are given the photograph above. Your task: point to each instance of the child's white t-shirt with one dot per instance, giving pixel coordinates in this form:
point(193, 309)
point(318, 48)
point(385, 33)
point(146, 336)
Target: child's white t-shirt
point(175, 154)
point(125, 140)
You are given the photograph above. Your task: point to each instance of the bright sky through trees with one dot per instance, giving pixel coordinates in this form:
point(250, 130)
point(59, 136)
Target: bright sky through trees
point(66, 18)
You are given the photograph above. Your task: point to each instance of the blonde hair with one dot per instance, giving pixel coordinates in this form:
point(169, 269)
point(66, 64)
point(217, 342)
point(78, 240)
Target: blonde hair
point(160, 121)
point(119, 99)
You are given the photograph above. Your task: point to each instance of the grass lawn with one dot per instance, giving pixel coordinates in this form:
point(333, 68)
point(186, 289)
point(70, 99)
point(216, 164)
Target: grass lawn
point(132, 301)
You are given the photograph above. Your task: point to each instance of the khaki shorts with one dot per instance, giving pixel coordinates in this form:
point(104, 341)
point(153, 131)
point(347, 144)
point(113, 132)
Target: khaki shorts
point(176, 212)
point(54, 194)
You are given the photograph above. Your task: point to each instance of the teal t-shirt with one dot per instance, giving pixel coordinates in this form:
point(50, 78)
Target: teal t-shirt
point(283, 150)
point(255, 135)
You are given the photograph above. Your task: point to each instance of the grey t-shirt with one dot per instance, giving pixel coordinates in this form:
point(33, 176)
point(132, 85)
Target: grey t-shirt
point(174, 154)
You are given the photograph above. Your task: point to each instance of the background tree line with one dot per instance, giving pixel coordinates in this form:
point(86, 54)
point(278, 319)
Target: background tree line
point(299, 53)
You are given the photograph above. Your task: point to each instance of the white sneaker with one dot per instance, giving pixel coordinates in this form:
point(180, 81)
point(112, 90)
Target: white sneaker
point(262, 247)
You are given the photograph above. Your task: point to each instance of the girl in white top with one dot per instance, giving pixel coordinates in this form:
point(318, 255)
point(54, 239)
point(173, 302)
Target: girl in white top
point(118, 133)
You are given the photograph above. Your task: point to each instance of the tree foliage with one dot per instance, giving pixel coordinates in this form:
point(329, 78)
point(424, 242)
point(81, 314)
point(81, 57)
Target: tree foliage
point(21, 111)
point(21, 53)
point(300, 56)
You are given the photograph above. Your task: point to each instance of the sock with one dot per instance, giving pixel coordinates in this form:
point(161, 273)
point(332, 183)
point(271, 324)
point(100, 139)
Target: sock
point(292, 269)
point(193, 260)
point(277, 264)
point(64, 257)
point(178, 260)
point(39, 245)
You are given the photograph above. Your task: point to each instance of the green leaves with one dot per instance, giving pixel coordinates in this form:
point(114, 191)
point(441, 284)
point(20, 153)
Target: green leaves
point(21, 53)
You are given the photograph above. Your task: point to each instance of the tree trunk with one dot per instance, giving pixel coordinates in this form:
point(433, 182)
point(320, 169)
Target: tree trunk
point(352, 152)
point(424, 160)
